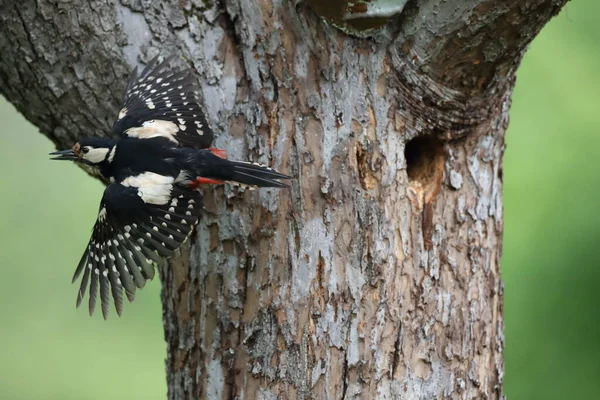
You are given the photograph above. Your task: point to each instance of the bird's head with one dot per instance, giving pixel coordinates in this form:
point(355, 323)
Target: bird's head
point(91, 151)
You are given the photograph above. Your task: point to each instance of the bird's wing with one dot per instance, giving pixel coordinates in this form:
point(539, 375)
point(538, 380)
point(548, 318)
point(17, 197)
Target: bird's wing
point(141, 220)
point(161, 103)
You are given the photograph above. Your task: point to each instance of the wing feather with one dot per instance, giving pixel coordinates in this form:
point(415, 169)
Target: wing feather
point(83, 286)
point(93, 291)
point(162, 103)
point(124, 274)
point(131, 236)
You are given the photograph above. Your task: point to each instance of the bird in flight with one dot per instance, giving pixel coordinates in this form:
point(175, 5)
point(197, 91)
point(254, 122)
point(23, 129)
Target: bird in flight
point(156, 166)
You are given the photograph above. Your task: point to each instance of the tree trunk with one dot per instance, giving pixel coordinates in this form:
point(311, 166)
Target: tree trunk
point(377, 275)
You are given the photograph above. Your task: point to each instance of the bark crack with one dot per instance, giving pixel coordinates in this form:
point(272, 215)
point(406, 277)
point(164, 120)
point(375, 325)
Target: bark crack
point(345, 375)
point(396, 352)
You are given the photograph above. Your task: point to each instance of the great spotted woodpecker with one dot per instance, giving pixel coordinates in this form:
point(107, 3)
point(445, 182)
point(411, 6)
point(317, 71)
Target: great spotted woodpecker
point(155, 169)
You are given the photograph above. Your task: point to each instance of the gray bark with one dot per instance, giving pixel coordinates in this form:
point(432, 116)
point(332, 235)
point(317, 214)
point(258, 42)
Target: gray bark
point(377, 275)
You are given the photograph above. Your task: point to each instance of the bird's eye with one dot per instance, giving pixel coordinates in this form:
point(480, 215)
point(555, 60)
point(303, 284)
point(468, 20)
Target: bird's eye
point(85, 150)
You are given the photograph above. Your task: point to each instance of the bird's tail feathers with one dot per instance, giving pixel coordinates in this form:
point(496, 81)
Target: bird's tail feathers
point(215, 169)
point(257, 175)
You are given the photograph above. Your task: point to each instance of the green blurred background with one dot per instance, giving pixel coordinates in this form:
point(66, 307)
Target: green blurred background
point(551, 262)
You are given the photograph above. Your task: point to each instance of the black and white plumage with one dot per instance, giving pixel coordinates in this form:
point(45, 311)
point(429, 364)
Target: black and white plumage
point(156, 169)
point(160, 103)
point(141, 219)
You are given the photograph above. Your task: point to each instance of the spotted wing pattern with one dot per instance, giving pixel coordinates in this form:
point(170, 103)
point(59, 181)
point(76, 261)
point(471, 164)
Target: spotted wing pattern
point(136, 228)
point(161, 103)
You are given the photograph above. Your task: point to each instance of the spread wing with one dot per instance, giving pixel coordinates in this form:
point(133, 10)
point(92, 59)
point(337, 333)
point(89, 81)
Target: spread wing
point(141, 220)
point(162, 103)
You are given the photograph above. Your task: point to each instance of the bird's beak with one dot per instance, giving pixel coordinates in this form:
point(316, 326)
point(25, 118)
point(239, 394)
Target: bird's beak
point(64, 155)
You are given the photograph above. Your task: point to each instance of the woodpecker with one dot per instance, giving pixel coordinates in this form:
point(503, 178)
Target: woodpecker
point(155, 169)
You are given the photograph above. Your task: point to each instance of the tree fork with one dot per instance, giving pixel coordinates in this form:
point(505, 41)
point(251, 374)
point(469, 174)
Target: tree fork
point(377, 274)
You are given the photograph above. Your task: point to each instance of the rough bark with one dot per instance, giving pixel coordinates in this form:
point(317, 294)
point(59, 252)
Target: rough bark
point(377, 274)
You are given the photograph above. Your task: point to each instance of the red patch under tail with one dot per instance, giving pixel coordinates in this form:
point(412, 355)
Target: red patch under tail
point(205, 181)
point(218, 152)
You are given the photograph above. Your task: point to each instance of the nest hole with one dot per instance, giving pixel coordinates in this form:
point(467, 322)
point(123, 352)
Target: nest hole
point(425, 165)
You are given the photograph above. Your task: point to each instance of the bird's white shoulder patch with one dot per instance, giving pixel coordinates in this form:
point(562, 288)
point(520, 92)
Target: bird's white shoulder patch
point(154, 128)
point(147, 179)
point(153, 188)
